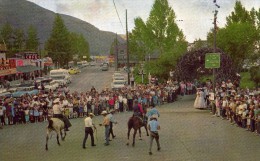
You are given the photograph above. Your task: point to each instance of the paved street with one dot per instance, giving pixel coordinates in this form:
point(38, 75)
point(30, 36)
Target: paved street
point(187, 134)
point(91, 76)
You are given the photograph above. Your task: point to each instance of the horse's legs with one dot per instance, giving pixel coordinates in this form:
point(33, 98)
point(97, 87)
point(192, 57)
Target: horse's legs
point(140, 136)
point(47, 138)
point(145, 126)
point(62, 137)
point(128, 133)
point(58, 141)
point(135, 131)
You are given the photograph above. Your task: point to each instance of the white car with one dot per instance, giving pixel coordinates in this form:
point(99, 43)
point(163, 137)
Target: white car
point(117, 74)
point(119, 78)
point(53, 85)
point(117, 84)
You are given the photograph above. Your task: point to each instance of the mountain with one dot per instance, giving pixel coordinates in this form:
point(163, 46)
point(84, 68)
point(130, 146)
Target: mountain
point(21, 14)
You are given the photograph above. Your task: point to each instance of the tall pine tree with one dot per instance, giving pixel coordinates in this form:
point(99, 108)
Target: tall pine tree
point(58, 45)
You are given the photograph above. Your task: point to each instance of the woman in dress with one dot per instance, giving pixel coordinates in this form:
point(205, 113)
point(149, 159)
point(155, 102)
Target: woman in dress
point(199, 101)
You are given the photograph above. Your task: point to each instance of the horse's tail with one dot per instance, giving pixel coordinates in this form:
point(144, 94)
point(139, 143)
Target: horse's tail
point(50, 126)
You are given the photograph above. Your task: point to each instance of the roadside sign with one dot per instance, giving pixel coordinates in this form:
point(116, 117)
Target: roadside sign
point(212, 60)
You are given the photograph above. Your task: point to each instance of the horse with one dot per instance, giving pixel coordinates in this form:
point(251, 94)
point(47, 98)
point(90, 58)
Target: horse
point(57, 125)
point(136, 123)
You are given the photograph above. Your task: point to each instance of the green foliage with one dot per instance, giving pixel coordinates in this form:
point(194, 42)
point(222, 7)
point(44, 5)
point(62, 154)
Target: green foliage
point(246, 81)
point(19, 37)
point(32, 41)
point(59, 45)
point(160, 36)
point(113, 47)
point(79, 46)
point(240, 36)
point(255, 75)
point(6, 35)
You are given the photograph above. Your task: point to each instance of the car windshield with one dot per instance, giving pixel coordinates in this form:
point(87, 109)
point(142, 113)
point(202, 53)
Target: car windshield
point(119, 78)
point(119, 83)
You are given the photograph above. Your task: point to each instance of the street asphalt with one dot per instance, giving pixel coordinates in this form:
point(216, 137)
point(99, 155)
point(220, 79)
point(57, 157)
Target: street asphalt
point(187, 134)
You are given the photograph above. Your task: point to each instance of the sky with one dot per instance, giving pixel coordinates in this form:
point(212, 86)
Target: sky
point(194, 17)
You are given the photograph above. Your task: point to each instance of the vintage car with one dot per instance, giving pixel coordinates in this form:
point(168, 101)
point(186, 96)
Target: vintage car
point(25, 90)
point(72, 71)
point(53, 86)
point(117, 84)
point(104, 67)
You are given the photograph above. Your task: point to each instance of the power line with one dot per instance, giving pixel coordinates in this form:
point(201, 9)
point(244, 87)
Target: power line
point(118, 15)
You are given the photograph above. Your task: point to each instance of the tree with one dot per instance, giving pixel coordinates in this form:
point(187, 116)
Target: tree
point(32, 42)
point(19, 40)
point(160, 36)
point(79, 46)
point(113, 47)
point(255, 75)
point(59, 45)
point(238, 38)
point(7, 35)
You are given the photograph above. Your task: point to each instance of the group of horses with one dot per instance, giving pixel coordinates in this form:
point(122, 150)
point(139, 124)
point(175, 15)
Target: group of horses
point(57, 125)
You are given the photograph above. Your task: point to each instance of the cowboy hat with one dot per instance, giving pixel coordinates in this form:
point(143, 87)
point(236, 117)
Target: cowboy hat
point(154, 117)
point(57, 100)
point(91, 114)
point(103, 112)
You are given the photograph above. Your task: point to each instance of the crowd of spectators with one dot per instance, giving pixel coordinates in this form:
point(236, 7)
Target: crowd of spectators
point(38, 108)
point(229, 102)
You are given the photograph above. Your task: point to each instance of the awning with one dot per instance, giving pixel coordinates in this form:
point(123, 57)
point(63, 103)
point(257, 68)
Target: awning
point(26, 69)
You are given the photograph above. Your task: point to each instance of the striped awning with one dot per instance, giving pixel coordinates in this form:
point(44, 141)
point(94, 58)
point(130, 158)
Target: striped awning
point(27, 69)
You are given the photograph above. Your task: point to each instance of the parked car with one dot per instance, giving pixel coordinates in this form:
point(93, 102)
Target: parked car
point(117, 84)
point(119, 78)
point(53, 86)
point(5, 94)
point(104, 67)
point(72, 71)
point(92, 63)
point(77, 70)
point(23, 90)
point(117, 74)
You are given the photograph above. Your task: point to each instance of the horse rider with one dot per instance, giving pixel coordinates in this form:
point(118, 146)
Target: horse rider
point(153, 112)
point(138, 110)
point(57, 113)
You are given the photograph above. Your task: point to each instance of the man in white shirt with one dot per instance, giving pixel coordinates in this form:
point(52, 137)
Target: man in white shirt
point(89, 130)
point(57, 113)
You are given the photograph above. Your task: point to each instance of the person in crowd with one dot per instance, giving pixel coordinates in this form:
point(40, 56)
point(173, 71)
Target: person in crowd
point(106, 124)
point(154, 127)
point(112, 121)
point(199, 101)
point(89, 125)
point(153, 112)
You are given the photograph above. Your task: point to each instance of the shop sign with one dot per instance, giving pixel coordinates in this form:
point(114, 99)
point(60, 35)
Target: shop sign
point(7, 71)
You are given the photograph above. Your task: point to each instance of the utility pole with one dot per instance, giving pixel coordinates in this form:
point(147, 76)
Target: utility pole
point(116, 66)
point(127, 52)
point(215, 37)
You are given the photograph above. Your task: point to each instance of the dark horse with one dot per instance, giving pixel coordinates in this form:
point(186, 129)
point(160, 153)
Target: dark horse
point(135, 123)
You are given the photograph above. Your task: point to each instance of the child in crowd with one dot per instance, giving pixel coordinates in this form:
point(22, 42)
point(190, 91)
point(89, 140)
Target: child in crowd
point(26, 113)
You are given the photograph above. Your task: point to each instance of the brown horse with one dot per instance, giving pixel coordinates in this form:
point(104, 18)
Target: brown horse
point(135, 123)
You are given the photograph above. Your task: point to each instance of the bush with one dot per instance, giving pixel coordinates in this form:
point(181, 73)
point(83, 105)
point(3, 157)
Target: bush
point(246, 81)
